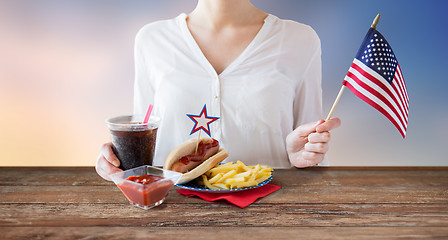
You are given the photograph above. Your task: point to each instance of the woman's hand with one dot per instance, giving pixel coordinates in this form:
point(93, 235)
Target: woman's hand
point(308, 143)
point(107, 162)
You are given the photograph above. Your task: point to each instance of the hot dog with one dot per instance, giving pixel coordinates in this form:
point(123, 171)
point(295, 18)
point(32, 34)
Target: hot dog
point(185, 159)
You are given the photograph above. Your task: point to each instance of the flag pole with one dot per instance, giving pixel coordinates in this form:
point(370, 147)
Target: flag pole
point(335, 102)
point(374, 23)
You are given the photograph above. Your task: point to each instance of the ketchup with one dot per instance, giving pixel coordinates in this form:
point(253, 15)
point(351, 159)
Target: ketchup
point(144, 179)
point(199, 155)
point(149, 190)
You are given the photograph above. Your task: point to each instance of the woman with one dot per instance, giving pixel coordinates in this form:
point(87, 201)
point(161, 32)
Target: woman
point(261, 75)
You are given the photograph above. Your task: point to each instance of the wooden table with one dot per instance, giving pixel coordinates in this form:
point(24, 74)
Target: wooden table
point(314, 203)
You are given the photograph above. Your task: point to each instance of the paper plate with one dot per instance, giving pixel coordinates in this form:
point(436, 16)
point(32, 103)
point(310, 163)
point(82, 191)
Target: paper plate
point(192, 185)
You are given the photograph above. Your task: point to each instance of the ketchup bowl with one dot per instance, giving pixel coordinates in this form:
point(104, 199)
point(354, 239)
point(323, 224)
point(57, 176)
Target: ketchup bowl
point(146, 186)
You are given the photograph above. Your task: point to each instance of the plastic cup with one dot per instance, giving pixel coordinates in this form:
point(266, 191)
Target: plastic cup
point(132, 140)
point(150, 195)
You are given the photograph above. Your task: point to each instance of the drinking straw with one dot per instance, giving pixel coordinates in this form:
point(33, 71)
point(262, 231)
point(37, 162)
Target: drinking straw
point(148, 113)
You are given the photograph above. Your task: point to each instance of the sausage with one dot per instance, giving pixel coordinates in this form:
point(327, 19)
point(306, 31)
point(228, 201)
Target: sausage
point(206, 149)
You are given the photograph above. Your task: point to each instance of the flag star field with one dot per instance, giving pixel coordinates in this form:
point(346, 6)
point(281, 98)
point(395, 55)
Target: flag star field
point(378, 54)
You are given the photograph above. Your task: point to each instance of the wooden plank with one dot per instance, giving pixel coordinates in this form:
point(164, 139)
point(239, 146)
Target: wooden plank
point(221, 214)
point(288, 194)
point(318, 203)
point(206, 233)
point(317, 176)
point(50, 176)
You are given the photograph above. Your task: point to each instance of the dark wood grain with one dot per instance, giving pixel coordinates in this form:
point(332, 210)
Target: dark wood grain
point(202, 233)
point(220, 214)
point(316, 203)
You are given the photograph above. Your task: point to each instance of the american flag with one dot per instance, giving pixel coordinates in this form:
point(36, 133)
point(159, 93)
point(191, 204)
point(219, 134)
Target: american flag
point(375, 76)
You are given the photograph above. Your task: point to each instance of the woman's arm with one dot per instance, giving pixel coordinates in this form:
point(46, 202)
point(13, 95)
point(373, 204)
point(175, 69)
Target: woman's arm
point(308, 143)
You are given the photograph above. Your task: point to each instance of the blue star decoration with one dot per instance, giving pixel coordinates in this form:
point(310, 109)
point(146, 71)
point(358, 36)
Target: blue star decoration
point(202, 121)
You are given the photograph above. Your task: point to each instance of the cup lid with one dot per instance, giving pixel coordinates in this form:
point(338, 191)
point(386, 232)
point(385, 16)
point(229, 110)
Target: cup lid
point(132, 121)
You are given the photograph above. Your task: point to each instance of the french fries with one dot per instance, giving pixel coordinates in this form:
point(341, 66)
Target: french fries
point(235, 175)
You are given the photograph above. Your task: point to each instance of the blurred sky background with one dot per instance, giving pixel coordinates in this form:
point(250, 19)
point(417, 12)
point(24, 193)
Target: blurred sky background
point(65, 66)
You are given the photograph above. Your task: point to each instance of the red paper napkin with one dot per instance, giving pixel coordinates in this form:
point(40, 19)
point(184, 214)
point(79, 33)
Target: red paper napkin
point(241, 199)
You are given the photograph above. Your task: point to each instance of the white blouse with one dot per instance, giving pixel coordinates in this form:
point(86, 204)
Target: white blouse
point(271, 88)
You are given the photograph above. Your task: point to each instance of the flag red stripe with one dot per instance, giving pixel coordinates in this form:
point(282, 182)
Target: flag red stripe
point(401, 115)
point(402, 84)
point(396, 87)
point(379, 96)
point(401, 90)
point(376, 106)
point(397, 81)
point(382, 86)
point(400, 81)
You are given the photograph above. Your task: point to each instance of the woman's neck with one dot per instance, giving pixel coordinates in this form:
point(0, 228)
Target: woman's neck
point(215, 14)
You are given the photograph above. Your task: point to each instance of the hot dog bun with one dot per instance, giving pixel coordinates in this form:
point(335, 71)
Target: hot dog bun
point(186, 148)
